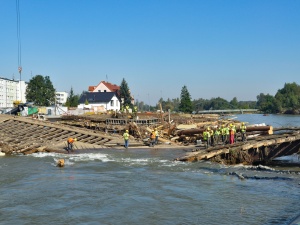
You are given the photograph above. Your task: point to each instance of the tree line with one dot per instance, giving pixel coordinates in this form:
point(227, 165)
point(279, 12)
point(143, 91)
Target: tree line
point(40, 90)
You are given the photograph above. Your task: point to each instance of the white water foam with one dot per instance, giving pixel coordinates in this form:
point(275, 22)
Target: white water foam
point(74, 157)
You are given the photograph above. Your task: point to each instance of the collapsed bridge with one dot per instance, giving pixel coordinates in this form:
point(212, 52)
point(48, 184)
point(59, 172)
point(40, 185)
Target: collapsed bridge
point(261, 150)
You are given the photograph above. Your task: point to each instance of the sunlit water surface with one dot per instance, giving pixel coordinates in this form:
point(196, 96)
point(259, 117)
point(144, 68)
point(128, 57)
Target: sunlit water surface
point(145, 187)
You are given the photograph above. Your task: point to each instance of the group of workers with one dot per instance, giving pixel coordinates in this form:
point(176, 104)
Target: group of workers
point(227, 134)
point(153, 138)
point(211, 137)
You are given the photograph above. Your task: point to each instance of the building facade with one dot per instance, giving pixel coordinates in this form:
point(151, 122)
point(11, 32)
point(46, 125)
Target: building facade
point(11, 91)
point(61, 97)
point(99, 101)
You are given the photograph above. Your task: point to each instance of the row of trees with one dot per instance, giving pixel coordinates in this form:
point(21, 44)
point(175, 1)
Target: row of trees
point(286, 100)
point(40, 90)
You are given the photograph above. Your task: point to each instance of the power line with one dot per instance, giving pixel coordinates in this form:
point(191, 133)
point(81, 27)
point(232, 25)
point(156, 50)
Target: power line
point(19, 44)
point(19, 36)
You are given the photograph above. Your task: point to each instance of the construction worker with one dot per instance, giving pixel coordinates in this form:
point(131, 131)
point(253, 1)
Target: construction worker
point(156, 136)
point(152, 138)
point(223, 133)
point(70, 142)
point(234, 129)
point(243, 131)
point(216, 136)
point(126, 139)
point(211, 132)
point(231, 134)
point(206, 137)
point(226, 135)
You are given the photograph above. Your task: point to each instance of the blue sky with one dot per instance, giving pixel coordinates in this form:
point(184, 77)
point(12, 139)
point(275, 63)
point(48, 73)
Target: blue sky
point(216, 48)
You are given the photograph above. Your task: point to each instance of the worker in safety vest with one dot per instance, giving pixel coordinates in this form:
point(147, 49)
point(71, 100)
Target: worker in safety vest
point(152, 138)
point(70, 142)
point(206, 137)
point(216, 136)
point(223, 133)
point(231, 134)
point(211, 132)
point(126, 139)
point(226, 135)
point(234, 129)
point(156, 135)
point(243, 131)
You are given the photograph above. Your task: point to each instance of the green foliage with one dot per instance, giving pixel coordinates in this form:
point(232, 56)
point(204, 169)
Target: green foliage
point(40, 90)
point(219, 103)
point(267, 103)
point(286, 99)
point(72, 100)
point(125, 94)
point(234, 103)
point(185, 101)
point(289, 96)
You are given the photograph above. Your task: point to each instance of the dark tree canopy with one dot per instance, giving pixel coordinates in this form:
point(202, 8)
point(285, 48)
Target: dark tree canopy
point(267, 103)
point(286, 100)
point(40, 90)
point(185, 101)
point(72, 100)
point(289, 96)
point(125, 94)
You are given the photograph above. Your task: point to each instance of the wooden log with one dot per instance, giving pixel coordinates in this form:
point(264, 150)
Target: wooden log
point(268, 129)
point(213, 154)
point(190, 132)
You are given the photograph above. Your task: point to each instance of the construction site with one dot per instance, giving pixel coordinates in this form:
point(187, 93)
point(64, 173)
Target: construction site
point(27, 135)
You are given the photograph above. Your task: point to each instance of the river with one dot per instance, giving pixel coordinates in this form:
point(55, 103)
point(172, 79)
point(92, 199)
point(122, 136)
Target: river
point(146, 187)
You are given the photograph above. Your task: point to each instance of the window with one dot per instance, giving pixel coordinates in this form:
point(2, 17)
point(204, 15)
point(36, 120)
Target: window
point(112, 103)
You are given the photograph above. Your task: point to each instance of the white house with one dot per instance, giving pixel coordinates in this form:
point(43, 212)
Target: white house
point(99, 101)
point(104, 86)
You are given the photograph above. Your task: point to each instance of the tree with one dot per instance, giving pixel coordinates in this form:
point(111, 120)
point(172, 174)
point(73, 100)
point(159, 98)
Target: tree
point(125, 94)
point(219, 103)
point(185, 101)
point(289, 96)
point(40, 90)
point(267, 103)
point(234, 103)
point(72, 100)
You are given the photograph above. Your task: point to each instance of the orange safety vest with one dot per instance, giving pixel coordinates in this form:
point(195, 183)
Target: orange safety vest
point(152, 135)
point(70, 140)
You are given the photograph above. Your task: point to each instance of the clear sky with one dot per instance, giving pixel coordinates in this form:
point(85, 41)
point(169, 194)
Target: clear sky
point(216, 48)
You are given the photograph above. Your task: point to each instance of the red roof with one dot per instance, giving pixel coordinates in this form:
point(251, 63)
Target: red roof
point(92, 88)
point(111, 87)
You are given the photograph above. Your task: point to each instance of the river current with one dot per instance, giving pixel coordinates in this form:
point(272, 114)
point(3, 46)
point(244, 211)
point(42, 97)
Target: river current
point(138, 186)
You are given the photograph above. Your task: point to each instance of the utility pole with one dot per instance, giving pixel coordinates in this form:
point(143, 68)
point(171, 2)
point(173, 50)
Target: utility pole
point(149, 102)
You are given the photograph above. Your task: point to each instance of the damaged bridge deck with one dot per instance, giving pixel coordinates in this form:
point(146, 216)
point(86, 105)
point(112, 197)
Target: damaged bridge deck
point(25, 135)
point(259, 150)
